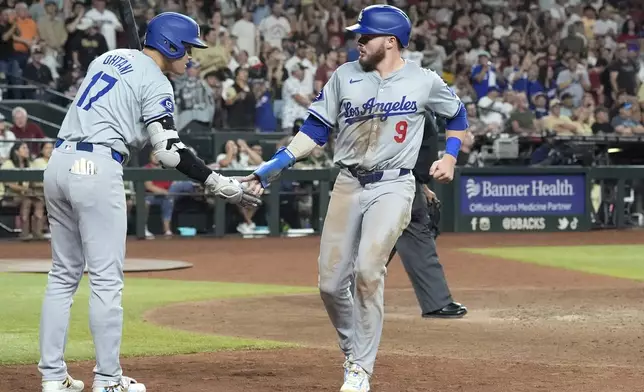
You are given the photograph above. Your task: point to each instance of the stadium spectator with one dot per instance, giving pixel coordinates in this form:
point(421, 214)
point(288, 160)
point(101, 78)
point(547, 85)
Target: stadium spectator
point(540, 102)
point(296, 97)
point(567, 105)
point(239, 59)
point(216, 56)
point(22, 194)
point(71, 25)
point(106, 22)
point(25, 34)
point(25, 129)
point(623, 73)
point(40, 224)
point(157, 194)
point(523, 121)
point(240, 102)
point(584, 118)
point(324, 71)
point(9, 66)
point(265, 120)
point(216, 87)
point(573, 80)
point(625, 122)
point(87, 45)
point(275, 27)
point(7, 139)
point(493, 111)
point(486, 50)
point(483, 75)
point(245, 156)
point(37, 71)
point(602, 125)
point(51, 28)
point(555, 121)
point(247, 33)
point(194, 100)
point(300, 59)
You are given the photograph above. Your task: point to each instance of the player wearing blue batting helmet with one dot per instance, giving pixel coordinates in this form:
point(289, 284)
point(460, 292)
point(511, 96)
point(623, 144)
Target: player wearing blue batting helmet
point(383, 20)
point(173, 35)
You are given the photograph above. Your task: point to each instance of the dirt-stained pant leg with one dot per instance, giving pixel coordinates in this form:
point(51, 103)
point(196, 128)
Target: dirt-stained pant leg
point(338, 251)
point(386, 208)
point(66, 272)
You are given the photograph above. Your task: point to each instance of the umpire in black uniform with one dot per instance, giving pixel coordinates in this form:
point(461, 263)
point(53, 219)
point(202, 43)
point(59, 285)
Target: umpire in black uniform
point(417, 246)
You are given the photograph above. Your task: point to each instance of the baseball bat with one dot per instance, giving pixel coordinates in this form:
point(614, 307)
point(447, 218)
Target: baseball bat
point(129, 24)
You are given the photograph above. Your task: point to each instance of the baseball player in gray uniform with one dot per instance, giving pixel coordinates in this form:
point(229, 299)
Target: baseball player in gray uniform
point(125, 101)
point(378, 103)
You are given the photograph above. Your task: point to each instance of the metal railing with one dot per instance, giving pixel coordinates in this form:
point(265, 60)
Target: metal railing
point(138, 176)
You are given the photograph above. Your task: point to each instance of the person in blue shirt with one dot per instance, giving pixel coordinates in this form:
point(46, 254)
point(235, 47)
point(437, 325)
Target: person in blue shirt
point(529, 84)
point(481, 74)
point(265, 120)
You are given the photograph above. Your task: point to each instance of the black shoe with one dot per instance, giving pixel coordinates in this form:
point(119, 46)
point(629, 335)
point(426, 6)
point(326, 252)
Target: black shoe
point(452, 310)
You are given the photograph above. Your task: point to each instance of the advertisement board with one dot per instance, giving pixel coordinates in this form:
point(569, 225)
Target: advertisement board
point(522, 203)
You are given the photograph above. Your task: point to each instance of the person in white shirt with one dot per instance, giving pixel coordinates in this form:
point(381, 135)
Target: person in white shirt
point(107, 21)
point(504, 30)
point(275, 27)
point(238, 60)
point(246, 32)
point(604, 24)
point(6, 138)
point(296, 101)
point(300, 59)
point(412, 54)
point(493, 110)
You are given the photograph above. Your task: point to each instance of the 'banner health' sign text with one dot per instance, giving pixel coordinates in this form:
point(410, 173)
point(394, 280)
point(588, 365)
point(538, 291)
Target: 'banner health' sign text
point(523, 195)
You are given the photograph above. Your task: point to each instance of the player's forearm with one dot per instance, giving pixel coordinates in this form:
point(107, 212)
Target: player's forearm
point(301, 145)
point(453, 142)
point(312, 133)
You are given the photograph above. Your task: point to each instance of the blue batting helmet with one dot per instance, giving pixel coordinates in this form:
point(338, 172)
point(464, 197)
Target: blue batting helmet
point(383, 20)
point(170, 32)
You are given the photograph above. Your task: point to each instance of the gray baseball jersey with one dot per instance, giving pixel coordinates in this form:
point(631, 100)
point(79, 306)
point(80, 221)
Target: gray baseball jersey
point(381, 124)
point(123, 90)
point(381, 121)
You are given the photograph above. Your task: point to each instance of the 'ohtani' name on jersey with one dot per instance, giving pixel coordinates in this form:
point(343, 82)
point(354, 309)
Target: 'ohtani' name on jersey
point(383, 110)
point(119, 63)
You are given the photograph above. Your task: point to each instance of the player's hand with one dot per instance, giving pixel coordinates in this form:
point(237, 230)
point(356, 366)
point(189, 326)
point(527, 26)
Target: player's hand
point(443, 169)
point(252, 184)
point(231, 190)
point(429, 194)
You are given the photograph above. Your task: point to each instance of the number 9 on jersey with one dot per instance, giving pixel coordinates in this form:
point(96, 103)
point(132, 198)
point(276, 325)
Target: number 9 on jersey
point(401, 131)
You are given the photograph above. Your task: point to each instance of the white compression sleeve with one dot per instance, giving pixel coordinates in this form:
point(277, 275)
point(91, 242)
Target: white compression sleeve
point(301, 145)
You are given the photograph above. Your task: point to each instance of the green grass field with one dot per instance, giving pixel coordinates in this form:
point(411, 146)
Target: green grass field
point(21, 297)
point(621, 261)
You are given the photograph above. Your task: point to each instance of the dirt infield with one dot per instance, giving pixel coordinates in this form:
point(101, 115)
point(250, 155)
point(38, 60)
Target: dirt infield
point(530, 328)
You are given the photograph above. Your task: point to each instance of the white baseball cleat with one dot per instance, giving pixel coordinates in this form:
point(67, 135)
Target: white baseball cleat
point(67, 385)
point(127, 384)
point(355, 380)
point(346, 366)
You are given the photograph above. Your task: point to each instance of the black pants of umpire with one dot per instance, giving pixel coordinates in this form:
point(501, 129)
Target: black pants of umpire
point(417, 249)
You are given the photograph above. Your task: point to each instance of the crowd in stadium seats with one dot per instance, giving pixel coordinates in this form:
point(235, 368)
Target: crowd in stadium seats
point(522, 67)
